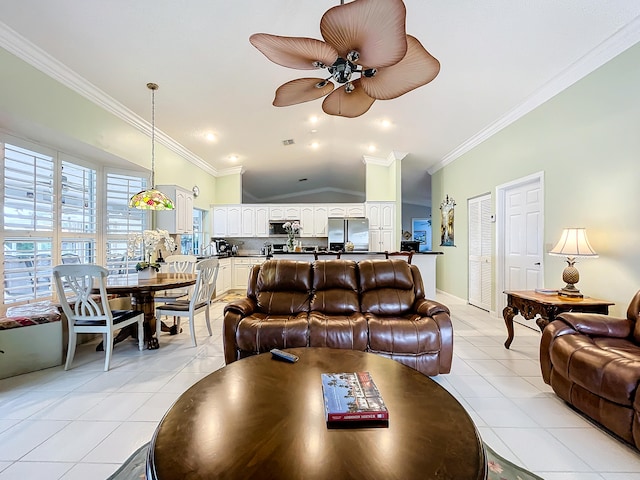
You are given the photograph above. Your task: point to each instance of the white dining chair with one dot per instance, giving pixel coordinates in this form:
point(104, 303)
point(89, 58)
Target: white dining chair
point(90, 313)
point(207, 271)
point(177, 264)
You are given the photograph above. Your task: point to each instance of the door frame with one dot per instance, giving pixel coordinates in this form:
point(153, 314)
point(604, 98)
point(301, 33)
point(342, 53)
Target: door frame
point(501, 190)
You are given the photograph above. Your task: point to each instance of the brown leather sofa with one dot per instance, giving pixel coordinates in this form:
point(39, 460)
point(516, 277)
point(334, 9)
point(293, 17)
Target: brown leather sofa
point(592, 362)
point(374, 306)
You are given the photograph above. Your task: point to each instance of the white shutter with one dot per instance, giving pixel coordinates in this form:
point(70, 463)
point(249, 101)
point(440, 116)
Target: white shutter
point(121, 221)
point(480, 251)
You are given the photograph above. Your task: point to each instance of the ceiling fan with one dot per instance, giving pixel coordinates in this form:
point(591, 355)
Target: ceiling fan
point(364, 37)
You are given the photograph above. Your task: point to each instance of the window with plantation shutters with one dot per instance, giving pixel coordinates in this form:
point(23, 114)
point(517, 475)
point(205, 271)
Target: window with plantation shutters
point(54, 208)
point(78, 213)
point(122, 221)
point(27, 224)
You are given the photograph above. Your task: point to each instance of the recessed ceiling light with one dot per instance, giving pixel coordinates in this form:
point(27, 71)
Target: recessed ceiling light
point(372, 148)
point(233, 158)
point(313, 130)
point(211, 137)
point(385, 123)
point(313, 119)
point(315, 145)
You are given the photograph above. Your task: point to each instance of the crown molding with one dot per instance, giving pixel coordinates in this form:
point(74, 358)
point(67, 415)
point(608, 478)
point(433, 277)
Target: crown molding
point(230, 171)
point(19, 46)
point(617, 43)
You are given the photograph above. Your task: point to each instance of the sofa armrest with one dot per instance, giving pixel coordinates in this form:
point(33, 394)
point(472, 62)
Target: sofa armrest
point(244, 306)
point(595, 324)
point(428, 308)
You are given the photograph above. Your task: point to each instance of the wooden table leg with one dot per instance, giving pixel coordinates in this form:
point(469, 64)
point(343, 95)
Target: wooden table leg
point(508, 313)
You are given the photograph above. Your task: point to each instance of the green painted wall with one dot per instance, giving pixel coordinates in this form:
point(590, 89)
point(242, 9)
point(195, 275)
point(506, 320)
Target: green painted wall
point(45, 111)
point(380, 183)
point(586, 142)
point(229, 189)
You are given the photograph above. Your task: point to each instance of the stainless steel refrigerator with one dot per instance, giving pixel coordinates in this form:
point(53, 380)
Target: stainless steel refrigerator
point(354, 230)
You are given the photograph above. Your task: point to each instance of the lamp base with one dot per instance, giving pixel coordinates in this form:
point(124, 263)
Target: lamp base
point(570, 291)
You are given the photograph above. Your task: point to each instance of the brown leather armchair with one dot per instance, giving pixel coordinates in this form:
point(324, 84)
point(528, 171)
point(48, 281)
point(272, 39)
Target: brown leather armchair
point(374, 305)
point(592, 362)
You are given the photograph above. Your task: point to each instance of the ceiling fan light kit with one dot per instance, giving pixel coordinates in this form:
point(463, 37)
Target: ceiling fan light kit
point(366, 52)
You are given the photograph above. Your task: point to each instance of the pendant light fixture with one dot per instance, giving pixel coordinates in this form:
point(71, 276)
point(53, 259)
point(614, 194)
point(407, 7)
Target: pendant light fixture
point(152, 199)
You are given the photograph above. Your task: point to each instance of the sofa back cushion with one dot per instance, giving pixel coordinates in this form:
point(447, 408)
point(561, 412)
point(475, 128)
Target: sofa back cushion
point(283, 287)
point(335, 287)
point(386, 287)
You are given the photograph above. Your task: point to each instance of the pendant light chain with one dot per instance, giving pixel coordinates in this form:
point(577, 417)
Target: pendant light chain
point(153, 87)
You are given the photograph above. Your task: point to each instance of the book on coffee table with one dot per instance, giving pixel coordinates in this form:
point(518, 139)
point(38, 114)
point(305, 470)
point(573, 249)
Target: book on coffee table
point(352, 397)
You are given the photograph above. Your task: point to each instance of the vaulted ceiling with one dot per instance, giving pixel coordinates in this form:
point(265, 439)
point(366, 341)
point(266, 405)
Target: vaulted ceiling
point(499, 59)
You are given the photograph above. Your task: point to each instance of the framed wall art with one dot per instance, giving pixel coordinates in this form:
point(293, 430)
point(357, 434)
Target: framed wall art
point(446, 222)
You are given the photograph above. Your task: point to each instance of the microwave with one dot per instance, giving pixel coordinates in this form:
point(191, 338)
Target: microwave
point(276, 228)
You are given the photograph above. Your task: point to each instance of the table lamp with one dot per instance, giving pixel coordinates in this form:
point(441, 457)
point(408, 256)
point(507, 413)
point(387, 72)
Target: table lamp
point(573, 243)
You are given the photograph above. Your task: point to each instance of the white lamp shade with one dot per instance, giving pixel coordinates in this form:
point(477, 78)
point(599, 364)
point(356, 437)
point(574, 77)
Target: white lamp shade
point(573, 243)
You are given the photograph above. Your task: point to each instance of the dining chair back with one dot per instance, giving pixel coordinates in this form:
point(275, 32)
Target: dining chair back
point(317, 255)
point(90, 313)
point(207, 273)
point(406, 255)
point(177, 264)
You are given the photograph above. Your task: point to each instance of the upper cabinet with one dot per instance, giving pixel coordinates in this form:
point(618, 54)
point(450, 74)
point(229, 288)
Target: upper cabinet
point(179, 220)
point(252, 220)
point(345, 210)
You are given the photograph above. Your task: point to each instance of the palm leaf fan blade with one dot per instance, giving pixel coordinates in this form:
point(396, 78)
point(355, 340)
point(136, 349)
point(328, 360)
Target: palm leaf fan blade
point(416, 69)
point(294, 52)
point(374, 28)
point(300, 91)
point(350, 105)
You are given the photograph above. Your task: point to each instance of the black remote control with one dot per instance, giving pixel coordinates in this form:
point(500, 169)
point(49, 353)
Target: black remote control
point(286, 356)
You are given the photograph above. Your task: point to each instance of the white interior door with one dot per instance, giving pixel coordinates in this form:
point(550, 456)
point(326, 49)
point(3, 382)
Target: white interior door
point(520, 242)
point(480, 252)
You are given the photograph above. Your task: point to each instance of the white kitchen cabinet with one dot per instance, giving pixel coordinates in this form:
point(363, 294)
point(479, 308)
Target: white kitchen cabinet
point(248, 228)
point(320, 215)
point(261, 216)
point(223, 282)
point(179, 220)
point(345, 210)
point(381, 217)
point(307, 221)
point(234, 221)
point(241, 268)
point(219, 221)
point(276, 212)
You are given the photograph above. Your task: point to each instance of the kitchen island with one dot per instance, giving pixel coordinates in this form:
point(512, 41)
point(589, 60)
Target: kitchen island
point(425, 261)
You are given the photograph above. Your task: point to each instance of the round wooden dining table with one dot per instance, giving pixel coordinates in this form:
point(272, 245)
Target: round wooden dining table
point(141, 292)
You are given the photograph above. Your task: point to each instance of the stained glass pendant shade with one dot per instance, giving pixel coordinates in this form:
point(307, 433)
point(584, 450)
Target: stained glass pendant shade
point(152, 199)
point(366, 52)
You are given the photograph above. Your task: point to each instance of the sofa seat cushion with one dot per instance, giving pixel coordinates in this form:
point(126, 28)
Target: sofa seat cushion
point(261, 332)
point(607, 367)
point(409, 334)
point(338, 331)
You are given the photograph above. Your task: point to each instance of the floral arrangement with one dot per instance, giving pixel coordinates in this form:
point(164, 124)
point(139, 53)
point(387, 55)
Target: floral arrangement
point(292, 228)
point(149, 240)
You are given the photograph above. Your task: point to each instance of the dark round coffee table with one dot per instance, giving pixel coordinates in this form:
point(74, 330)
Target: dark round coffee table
point(260, 418)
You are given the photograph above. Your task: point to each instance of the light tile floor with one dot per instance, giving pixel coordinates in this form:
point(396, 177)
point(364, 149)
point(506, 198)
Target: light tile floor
point(84, 423)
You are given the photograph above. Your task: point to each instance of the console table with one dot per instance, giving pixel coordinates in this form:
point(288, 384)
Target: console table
point(530, 304)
